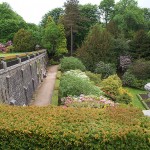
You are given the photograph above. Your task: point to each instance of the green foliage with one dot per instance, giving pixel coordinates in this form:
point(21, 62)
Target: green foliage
point(138, 74)
point(54, 38)
point(128, 16)
point(70, 128)
point(105, 69)
point(54, 13)
point(96, 78)
point(76, 85)
point(10, 23)
point(23, 41)
point(140, 46)
point(71, 63)
point(96, 47)
point(89, 16)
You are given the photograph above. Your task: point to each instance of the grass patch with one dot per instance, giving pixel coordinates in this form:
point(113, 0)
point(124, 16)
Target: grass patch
point(55, 97)
point(54, 100)
point(135, 101)
point(8, 54)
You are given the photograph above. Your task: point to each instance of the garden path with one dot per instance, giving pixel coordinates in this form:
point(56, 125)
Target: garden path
point(43, 94)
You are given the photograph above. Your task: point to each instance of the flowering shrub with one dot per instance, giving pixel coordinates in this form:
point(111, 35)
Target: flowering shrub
point(77, 73)
point(87, 101)
point(71, 63)
point(61, 128)
point(75, 86)
point(2, 48)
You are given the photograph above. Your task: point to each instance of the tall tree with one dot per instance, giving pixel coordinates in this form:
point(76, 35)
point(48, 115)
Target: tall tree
point(71, 19)
point(96, 47)
point(106, 9)
point(89, 16)
point(54, 38)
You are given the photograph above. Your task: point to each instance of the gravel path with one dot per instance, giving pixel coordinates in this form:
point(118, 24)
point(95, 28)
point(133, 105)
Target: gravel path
point(44, 92)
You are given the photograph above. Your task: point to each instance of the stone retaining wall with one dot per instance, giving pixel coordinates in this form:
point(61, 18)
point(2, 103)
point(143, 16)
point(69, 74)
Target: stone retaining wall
point(18, 82)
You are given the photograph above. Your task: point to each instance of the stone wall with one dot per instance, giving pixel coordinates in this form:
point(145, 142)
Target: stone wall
point(18, 82)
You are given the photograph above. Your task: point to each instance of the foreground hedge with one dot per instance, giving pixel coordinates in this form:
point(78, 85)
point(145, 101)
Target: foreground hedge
point(69, 128)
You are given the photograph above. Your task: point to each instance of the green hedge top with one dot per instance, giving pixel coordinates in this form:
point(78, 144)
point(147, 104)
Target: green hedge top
point(70, 128)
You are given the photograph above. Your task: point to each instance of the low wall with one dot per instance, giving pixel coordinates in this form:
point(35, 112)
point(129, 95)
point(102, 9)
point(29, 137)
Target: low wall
point(19, 81)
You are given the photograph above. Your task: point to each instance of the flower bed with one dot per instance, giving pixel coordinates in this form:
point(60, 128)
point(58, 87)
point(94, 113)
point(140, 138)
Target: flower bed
point(87, 101)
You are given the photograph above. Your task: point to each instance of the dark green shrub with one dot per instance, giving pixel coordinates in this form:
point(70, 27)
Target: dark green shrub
point(58, 128)
point(74, 85)
point(71, 63)
point(105, 69)
point(96, 78)
point(23, 41)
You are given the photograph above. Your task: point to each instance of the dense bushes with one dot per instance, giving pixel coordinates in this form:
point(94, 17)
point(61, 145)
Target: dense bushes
point(71, 128)
point(71, 63)
point(105, 69)
point(72, 84)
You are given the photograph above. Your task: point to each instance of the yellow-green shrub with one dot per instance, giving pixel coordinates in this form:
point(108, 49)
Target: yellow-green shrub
point(69, 128)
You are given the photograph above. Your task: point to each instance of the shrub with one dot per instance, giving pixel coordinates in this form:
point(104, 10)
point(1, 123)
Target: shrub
point(105, 69)
point(71, 63)
point(70, 128)
point(23, 41)
point(87, 101)
point(111, 85)
point(141, 69)
point(74, 85)
point(96, 78)
point(113, 88)
point(130, 80)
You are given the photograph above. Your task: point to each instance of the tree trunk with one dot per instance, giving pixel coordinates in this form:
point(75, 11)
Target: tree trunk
point(71, 41)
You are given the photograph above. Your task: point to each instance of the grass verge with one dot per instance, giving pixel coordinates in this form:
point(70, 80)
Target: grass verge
point(135, 100)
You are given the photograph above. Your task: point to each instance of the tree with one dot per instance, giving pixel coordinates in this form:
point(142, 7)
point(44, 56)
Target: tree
point(89, 15)
point(23, 41)
point(140, 46)
point(71, 19)
point(96, 47)
point(55, 14)
point(10, 23)
point(54, 38)
point(106, 8)
point(129, 17)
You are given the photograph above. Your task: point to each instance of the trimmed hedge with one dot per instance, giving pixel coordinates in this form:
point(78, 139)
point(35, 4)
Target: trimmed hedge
point(60, 128)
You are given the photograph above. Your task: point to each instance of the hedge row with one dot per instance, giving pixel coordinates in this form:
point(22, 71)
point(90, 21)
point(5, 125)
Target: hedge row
point(69, 128)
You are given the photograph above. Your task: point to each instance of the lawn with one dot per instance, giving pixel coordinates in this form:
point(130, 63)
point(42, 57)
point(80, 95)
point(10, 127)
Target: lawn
point(135, 101)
